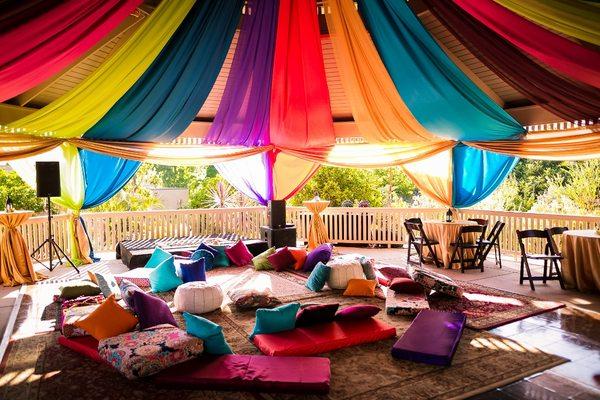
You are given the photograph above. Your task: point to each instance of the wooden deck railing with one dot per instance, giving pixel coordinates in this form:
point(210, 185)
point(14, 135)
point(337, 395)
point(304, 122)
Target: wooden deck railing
point(373, 226)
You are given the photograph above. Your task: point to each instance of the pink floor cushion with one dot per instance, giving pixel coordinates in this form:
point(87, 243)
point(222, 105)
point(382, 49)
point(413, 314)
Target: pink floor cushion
point(250, 373)
point(432, 338)
point(321, 338)
point(404, 303)
point(87, 346)
point(138, 276)
point(142, 353)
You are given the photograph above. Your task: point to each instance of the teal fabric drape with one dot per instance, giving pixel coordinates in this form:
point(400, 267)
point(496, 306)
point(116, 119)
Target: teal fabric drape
point(165, 100)
point(104, 176)
point(436, 91)
point(477, 173)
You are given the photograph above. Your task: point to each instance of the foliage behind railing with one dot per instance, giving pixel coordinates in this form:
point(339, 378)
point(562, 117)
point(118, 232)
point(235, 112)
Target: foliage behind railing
point(373, 226)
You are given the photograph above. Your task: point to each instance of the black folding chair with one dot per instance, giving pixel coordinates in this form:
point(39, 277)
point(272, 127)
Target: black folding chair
point(552, 258)
point(493, 242)
point(418, 239)
point(479, 221)
point(464, 242)
point(558, 230)
point(415, 220)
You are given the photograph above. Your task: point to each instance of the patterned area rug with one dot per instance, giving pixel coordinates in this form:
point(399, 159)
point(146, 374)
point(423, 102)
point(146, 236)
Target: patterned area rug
point(36, 367)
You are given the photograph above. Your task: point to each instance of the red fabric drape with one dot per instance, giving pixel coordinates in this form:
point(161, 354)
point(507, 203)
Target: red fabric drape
point(562, 97)
point(41, 46)
point(564, 55)
point(300, 109)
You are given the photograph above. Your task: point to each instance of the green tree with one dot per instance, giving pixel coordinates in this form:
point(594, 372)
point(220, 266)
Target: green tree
point(178, 177)
point(338, 184)
point(22, 196)
point(397, 189)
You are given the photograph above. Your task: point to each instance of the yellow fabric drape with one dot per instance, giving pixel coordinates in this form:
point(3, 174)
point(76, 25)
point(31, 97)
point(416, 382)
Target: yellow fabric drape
point(378, 109)
point(317, 233)
point(286, 168)
point(433, 176)
point(78, 110)
point(573, 18)
point(576, 144)
point(80, 246)
point(16, 267)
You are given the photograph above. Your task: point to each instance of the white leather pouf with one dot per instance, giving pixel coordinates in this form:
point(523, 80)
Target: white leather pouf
point(198, 297)
point(342, 270)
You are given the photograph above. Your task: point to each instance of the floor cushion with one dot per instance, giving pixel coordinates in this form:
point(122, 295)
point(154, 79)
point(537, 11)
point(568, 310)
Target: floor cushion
point(158, 256)
point(431, 338)
point(367, 263)
point(405, 304)
point(357, 311)
point(71, 316)
point(87, 346)
point(261, 262)
point(108, 284)
point(239, 254)
point(278, 319)
point(438, 282)
point(74, 289)
point(299, 254)
point(164, 277)
point(127, 289)
point(210, 333)
point(246, 298)
point(151, 310)
point(255, 373)
point(221, 259)
point(137, 276)
point(198, 297)
point(207, 256)
point(406, 285)
point(193, 270)
point(108, 319)
point(385, 273)
point(360, 288)
point(321, 253)
point(316, 314)
point(342, 271)
point(142, 353)
point(321, 338)
point(282, 259)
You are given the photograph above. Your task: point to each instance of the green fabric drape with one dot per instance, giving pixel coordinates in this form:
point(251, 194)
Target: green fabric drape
point(574, 18)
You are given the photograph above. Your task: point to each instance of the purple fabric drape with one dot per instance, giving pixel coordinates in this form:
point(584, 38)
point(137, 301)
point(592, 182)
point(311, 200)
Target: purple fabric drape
point(243, 114)
point(559, 95)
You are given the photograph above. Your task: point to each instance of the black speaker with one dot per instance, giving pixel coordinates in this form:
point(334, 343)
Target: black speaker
point(47, 175)
point(279, 237)
point(277, 214)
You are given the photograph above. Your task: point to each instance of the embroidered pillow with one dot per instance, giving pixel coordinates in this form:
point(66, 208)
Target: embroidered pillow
point(192, 271)
point(209, 258)
point(252, 298)
point(108, 284)
point(108, 320)
point(359, 311)
point(316, 314)
point(360, 288)
point(321, 253)
point(299, 254)
point(127, 288)
point(278, 319)
point(151, 311)
point(239, 254)
point(209, 332)
point(157, 257)
point(261, 261)
point(281, 259)
point(318, 277)
point(406, 285)
point(391, 272)
point(164, 278)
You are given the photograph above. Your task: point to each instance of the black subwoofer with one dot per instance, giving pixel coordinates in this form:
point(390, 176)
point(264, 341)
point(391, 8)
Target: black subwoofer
point(277, 214)
point(47, 175)
point(279, 237)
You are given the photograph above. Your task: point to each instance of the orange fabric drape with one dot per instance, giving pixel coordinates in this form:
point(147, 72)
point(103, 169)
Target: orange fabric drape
point(16, 267)
point(317, 233)
point(378, 109)
point(14, 146)
point(575, 144)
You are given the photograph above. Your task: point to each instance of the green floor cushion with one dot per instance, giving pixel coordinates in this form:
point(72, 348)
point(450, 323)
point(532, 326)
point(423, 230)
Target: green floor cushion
point(261, 261)
point(73, 289)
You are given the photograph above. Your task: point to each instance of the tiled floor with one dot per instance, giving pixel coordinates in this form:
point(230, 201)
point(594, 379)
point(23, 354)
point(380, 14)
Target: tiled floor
point(572, 332)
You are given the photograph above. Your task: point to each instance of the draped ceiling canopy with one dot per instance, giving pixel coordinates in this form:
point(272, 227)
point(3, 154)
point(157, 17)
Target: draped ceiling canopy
point(269, 90)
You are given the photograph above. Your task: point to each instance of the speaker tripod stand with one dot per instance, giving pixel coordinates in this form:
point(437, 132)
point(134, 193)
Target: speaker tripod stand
point(52, 246)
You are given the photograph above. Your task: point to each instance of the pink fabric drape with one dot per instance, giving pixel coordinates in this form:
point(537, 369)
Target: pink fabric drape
point(46, 43)
point(300, 109)
point(564, 55)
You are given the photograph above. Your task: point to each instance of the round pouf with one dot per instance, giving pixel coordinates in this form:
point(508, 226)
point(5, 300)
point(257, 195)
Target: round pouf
point(342, 270)
point(198, 297)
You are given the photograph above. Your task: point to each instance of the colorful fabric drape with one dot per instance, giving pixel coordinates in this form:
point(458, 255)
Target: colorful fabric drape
point(460, 177)
point(377, 108)
point(268, 176)
point(572, 59)
point(435, 90)
point(78, 110)
point(573, 18)
point(243, 114)
point(562, 97)
point(42, 45)
point(167, 97)
point(300, 113)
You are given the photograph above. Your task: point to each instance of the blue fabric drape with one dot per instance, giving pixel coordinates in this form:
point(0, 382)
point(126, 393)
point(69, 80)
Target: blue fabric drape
point(436, 91)
point(104, 176)
point(165, 100)
point(477, 173)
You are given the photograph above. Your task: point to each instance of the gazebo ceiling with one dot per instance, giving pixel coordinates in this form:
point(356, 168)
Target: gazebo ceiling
point(502, 93)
